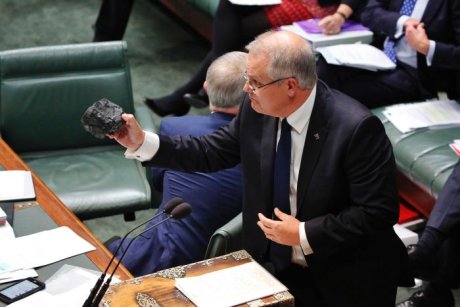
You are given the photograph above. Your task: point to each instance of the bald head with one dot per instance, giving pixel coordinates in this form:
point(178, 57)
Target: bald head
point(287, 54)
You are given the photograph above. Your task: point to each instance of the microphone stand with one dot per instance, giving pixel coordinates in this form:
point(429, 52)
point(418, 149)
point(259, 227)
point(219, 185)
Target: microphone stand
point(174, 202)
point(106, 285)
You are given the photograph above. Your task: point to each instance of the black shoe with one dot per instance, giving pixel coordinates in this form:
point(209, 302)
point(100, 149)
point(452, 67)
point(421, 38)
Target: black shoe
point(422, 299)
point(196, 100)
point(111, 240)
point(178, 108)
point(422, 263)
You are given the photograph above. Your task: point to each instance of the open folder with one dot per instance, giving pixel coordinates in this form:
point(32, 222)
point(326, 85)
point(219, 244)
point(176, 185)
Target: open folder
point(357, 55)
point(16, 185)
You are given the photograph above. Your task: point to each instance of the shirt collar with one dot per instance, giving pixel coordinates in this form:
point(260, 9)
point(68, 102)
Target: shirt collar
point(300, 118)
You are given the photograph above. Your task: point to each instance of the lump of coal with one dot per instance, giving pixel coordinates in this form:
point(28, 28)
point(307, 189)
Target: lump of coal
point(102, 117)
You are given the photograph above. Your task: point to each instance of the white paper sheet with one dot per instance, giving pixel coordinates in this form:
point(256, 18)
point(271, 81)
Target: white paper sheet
point(17, 275)
point(68, 287)
point(229, 287)
point(41, 248)
point(411, 116)
point(362, 56)
point(16, 185)
point(6, 232)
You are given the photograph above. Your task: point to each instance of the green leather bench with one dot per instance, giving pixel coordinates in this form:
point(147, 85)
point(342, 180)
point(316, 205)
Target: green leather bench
point(43, 93)
point(197, 13)
point(424, 160)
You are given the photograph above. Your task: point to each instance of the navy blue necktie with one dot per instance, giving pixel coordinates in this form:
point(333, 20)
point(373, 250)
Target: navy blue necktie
point(280, 255)
point(388, 48)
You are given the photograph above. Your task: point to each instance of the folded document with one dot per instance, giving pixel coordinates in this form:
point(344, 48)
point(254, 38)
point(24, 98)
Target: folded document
point(357, 55)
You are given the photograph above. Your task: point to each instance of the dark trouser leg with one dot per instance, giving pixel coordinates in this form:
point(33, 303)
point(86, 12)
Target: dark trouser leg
point(112, 20)
point(234, 26)
point(374, 89)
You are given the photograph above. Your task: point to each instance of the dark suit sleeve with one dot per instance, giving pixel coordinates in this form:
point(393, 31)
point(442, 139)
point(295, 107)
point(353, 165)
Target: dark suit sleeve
point(370, 201)
point(356, 5)
point(209, 153)
point(447, 38)
point(381, 16)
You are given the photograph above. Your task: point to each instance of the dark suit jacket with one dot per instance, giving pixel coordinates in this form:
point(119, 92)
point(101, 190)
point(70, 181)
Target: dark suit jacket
point(442, 25)
point(445, 215)
point(215, 199)
point(346, 190)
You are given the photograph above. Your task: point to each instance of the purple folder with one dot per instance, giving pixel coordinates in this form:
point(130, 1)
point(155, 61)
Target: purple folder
point(311, 26)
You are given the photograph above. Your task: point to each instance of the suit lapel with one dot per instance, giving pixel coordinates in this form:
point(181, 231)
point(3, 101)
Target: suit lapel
point(315, 139)
point(431, 10)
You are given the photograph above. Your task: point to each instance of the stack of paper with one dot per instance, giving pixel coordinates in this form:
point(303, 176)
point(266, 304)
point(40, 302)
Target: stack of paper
point(357, 55)
point(351, 33)
point(230, 287)
point(411, 116)
point(16, 185)
point(22, 254)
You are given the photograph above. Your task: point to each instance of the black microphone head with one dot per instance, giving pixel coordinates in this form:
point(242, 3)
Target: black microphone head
point(181, 211)
point(171, 204)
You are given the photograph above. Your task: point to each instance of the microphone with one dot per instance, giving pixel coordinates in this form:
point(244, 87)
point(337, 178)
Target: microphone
point(168, 208)
point(179, 212)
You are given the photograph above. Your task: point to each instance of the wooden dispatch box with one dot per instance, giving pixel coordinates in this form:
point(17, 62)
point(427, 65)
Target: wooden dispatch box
point(158, 289)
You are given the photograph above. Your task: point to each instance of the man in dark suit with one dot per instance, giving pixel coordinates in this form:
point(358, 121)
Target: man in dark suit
point(334, 244)
point(426, 45)
point(215, 198)
point(436, 256)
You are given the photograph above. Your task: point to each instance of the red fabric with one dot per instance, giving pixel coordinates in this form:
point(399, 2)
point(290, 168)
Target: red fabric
point(294, 10)
point(406, 214)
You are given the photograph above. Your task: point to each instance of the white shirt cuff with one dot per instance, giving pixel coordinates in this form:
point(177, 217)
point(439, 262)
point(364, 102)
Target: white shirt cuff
point(429, 56)
point(147, 150)
point(400, 26)
point(306, 248)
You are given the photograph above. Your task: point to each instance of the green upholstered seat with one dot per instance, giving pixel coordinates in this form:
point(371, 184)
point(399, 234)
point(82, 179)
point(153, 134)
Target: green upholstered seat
point(424, 156)
point(226, 239)
point(43, 93)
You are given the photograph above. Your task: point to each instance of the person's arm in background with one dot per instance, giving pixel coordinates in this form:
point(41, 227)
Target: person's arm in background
point(332, 24)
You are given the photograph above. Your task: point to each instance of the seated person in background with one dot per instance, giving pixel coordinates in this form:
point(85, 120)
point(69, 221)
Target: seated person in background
point(112, 20)
point(215, 197)
point(436, 256)
point(424, 42)
point(236, 25)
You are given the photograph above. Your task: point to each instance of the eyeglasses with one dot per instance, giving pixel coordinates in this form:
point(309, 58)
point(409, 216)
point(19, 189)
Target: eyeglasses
point(253, 88)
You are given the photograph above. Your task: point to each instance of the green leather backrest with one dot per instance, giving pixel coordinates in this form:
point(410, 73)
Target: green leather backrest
point(423, 155)
point(45, 90)
point(226, 239)
point(207, 6)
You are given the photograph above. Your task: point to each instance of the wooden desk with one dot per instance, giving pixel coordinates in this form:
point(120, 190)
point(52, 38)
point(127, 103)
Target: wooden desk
point(59, 213)
point(158, 289)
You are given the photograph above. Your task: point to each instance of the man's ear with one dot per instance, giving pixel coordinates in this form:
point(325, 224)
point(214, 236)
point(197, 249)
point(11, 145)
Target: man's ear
point(205, 86)
point(292, 85)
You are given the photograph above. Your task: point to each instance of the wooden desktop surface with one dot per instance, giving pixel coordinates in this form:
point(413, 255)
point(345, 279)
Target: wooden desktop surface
point(158, 289)
point(53, 206)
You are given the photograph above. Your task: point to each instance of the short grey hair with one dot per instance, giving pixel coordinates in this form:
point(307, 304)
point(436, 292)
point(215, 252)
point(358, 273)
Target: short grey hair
point(225, 80)
point(285, 61)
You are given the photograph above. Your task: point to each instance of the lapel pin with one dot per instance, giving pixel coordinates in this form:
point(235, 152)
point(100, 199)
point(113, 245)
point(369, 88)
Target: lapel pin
point(316, 135)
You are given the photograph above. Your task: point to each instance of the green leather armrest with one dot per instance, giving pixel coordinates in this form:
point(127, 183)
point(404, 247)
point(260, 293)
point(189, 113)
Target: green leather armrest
point(144, 117)
point(226, 239)
point(423, 155)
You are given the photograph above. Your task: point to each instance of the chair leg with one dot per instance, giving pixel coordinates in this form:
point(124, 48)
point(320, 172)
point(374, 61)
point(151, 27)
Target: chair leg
point(129, 216)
